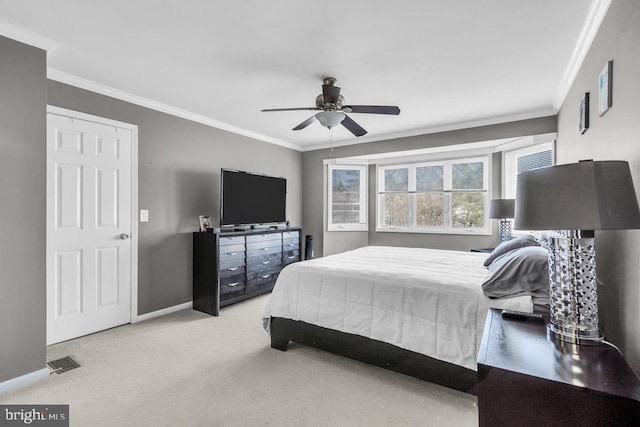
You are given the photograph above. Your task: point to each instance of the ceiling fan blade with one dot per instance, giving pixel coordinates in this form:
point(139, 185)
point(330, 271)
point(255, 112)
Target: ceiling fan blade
point(291, 109)
point(330, 94)
point(353, 127)
point(305, 123)
point(372, 109)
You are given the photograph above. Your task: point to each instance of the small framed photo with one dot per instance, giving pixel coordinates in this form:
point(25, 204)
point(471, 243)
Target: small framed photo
point(605, 89)
point(583, 123)
point(205, 222)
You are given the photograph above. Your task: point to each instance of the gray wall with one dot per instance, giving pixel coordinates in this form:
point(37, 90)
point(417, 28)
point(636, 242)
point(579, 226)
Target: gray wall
point(22, 210)
point(614, 136)
point(179, 165)
point(313, 186)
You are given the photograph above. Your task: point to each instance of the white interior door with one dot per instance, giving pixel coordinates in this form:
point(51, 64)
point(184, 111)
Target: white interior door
point(89, 226)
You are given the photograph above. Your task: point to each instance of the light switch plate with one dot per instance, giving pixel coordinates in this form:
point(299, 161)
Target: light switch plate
point(144, 215)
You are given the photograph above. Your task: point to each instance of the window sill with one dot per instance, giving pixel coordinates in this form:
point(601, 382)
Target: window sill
point(348, 227)
point(480, 232)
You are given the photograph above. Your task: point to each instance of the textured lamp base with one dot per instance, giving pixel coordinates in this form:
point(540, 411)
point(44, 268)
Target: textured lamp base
point(504, 230)
point(572, 288)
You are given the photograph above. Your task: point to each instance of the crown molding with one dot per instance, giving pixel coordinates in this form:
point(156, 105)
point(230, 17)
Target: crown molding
point(595, 16)
point(81, 83)
point(27, 37)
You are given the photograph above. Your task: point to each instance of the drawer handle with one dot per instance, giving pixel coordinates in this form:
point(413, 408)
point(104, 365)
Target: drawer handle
point(231, 285)
point(233, 253)
point(265, 276)
point(291, 245)
point(265, 249)
point(291, 257)
point(265, 262)
point(232, 268)
point(232, 238)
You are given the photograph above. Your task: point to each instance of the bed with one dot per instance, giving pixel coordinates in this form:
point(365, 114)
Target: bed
point(417, 311)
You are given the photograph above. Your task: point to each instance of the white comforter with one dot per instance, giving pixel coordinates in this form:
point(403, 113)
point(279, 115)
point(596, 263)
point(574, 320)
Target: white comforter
point(423, 300)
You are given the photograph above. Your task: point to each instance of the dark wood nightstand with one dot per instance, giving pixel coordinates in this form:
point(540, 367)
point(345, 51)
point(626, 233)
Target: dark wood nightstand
point(524, 378)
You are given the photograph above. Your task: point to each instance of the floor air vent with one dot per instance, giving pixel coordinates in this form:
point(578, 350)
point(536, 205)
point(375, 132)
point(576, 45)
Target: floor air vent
point(62, 365)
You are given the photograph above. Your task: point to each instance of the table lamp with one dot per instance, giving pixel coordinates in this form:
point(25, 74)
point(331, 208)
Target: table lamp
point(573, 200)
point(503, 210)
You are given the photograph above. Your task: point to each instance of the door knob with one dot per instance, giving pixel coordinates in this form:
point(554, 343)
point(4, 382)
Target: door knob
point(124, 236)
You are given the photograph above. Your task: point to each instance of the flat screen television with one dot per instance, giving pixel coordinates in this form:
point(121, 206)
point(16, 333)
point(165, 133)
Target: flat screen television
point(251, 199)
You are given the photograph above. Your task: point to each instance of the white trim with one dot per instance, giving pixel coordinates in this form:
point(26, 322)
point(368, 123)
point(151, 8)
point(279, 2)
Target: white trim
point(52, 109)
point(526, 142)
point(363, 223)
point(509, 161)
point(450, 231)
point(346, 161)
point(23, 380)
point(448, 228)
point(164, 311)
point(27, 37)
point(595, 16)
point(134, 224)
point(81, 83)
point(468, 149)
point(497, 120)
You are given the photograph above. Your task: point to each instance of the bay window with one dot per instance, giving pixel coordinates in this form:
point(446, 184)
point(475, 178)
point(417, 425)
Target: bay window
point(445, 196)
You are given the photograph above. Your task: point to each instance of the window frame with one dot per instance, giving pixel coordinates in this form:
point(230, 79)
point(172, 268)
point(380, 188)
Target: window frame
point(510, 164)
point(447, 190)
point(363, 224)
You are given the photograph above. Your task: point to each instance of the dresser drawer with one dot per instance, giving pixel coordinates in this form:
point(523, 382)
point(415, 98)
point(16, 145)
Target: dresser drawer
point(264, 244)
point(232, 271)
point(267, 237)
point(264, 251)
point(291, 235)
point(291, 244)
point(232, 289)
point(229, 261)
point(291, 256)
point(232, 279)
point(262, 284)
point(265, 273)
point(231, 240)
point(266, 262)
point(232, 249)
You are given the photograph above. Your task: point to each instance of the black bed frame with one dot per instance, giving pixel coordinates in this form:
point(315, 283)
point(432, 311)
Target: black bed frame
point(374, 352)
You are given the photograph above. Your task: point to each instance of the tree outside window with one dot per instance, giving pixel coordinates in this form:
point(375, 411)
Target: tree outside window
point(445, 196)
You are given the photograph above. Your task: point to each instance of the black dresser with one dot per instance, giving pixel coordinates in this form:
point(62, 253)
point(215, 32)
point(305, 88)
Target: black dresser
point(232, 266)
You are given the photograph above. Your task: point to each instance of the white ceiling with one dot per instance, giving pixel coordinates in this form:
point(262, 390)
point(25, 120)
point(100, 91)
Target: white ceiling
point(446, 63)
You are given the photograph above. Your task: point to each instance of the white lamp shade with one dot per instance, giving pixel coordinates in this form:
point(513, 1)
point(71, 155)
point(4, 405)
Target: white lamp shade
point(330, 119)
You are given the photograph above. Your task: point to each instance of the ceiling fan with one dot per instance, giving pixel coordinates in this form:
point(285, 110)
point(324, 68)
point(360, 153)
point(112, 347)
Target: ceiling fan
point(332, 109)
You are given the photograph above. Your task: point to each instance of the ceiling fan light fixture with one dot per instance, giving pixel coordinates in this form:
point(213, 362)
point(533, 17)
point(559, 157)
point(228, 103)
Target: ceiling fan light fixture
point(330, 119)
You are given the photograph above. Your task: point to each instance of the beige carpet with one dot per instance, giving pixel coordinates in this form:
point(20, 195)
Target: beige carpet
point(191, 369)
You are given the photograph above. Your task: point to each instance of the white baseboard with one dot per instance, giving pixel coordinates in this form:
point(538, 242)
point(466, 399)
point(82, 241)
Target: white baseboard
point(23, 380)
point(164, 311)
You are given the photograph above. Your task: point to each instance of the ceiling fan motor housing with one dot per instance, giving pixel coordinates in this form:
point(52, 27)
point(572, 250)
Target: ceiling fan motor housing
point(320, 103)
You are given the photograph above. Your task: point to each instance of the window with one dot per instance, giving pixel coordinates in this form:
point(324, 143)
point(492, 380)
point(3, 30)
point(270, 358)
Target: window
point(347, 198)
point(524, 159)
point(447, 196)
